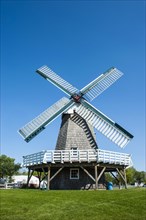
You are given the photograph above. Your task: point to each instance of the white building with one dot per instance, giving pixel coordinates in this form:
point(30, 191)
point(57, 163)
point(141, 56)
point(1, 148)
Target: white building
point(22, 179)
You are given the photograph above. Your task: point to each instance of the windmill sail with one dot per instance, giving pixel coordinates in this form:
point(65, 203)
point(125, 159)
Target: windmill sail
point(101, 83)
point(38, 124)
point(103, 124)
point(56, 80)
point(77, 100)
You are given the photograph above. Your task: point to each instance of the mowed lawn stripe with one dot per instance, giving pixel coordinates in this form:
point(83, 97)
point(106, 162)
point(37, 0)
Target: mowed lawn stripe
point(123, 204)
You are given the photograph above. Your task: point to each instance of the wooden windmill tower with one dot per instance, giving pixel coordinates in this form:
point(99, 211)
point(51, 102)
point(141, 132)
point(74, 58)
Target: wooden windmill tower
point(77, 162)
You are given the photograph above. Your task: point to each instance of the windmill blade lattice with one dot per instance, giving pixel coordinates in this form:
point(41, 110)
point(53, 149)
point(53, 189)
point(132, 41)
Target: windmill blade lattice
point(101, 83)
point(56, 80)
point(103, 124)
point(38, 124)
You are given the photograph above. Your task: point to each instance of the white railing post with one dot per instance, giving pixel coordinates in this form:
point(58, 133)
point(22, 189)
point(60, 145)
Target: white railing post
point(104, 156)
point(70, 152)
point(97, 155)
point(125, 159)
point(79, 159)
point(110, 157)
point(115, 157)
point(52, 156)
point(44, 158)
point(88, 156)
point(62, 157)
point(120, 159)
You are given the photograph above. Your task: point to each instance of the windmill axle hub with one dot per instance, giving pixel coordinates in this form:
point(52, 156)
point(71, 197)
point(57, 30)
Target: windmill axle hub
point(77, 97)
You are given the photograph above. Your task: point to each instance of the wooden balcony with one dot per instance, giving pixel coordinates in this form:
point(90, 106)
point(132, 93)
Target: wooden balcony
point(77, 156)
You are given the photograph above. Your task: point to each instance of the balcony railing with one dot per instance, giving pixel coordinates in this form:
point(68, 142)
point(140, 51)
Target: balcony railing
point(80, 156)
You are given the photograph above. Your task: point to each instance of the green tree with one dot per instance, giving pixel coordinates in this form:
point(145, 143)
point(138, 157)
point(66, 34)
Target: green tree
point(140, 176)
point(130, 173)
point(133, 176)
point(8, 167)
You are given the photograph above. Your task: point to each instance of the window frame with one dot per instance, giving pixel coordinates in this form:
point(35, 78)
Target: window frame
point(78, 174)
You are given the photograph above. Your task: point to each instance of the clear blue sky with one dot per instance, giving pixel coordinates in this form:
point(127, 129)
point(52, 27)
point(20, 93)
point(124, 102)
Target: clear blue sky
point(79, 40)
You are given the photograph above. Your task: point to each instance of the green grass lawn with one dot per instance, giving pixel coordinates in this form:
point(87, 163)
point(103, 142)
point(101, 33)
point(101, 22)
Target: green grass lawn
point(18, 204)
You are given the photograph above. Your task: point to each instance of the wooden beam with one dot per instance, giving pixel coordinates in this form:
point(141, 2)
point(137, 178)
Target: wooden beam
point(45, 174)
point(120, 174)
point(58, 171)
point(39, 177)
point(123, 177)
point(43, 171)
point(102, 171)
point(88, 173)
point(29, 176)
point(115, 177)
point(96, 174)
point(48, 185)
point(117, 180)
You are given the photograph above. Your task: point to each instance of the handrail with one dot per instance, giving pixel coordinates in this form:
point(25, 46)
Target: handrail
point(72, 156)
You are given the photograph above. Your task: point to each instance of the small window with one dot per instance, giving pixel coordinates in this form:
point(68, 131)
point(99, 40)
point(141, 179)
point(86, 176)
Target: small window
point(74, 148)
point(74, 173)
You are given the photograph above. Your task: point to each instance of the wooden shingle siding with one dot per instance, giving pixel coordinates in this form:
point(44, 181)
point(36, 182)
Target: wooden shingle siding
point(75, 132)
point(63, 181)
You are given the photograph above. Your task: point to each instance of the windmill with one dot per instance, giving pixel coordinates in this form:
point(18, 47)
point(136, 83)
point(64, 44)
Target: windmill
point(79, 111)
